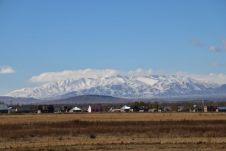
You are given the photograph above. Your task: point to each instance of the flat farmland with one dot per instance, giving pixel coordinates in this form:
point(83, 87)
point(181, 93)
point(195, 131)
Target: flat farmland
point(113, 131)
point(37, 118)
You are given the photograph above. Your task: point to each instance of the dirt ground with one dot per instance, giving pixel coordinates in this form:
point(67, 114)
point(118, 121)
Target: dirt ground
point(113, 132)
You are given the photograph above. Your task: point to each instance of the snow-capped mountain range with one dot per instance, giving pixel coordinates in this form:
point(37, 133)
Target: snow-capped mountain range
point(123, 85)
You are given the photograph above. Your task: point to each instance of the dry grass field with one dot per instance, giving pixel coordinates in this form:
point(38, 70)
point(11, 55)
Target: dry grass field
point(37, 118)
point(113, 132)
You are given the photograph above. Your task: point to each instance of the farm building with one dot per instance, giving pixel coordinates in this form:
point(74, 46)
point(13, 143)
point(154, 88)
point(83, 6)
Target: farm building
point(46, 108)
point(3, 108)
point(75, 109)
point(25, 109)
point(205, 109)
point(212, 108)
point(221, 109)
point(139, 108)
point(167, 109)
point(89, 109)
point(114, 110)
point(125, 108)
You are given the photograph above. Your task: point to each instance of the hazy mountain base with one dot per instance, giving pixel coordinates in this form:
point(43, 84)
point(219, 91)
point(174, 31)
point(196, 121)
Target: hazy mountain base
point(97, 99)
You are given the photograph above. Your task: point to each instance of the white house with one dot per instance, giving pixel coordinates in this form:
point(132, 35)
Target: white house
point(89, 109)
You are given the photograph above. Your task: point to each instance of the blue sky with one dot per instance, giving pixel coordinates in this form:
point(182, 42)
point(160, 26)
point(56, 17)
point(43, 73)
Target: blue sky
point(56, 35)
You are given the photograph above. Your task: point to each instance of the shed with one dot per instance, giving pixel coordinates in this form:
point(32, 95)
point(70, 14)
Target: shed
point(3, 108)
point(222, 108)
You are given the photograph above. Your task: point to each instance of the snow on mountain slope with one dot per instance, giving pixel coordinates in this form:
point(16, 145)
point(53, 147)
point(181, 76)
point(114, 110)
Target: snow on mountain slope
point(137, 85)
point(149, 81)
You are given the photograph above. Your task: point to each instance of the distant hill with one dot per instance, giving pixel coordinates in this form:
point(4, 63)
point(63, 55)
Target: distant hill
point(96, 99)
point(18, 100)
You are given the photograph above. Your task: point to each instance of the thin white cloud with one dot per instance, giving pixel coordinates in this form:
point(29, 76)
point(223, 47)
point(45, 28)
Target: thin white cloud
point(214, 48)
point(47, 77)
point(6, 70)
point(72, 74)
point(214, 78)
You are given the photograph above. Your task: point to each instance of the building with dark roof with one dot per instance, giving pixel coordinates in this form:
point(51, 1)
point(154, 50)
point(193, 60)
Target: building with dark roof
point(3, 108)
